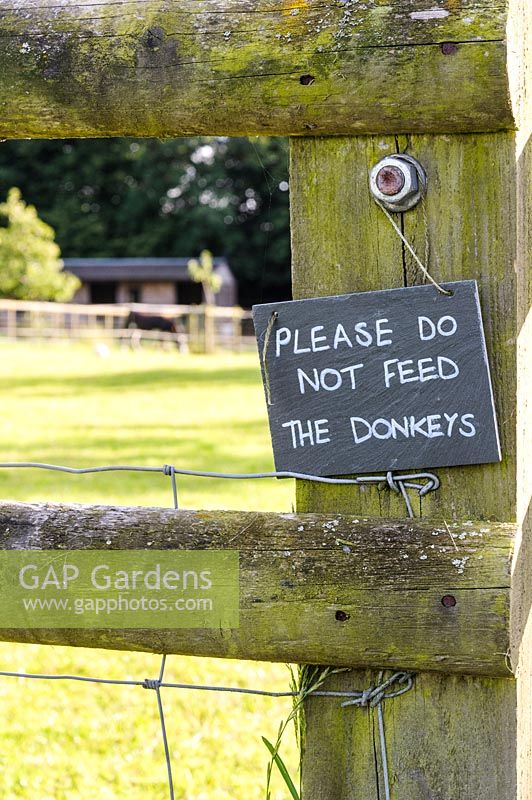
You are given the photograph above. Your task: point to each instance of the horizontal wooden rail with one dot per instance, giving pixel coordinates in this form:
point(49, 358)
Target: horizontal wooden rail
point(120, 310)
point(154, 68)
point(313, 588)
point(59, 321)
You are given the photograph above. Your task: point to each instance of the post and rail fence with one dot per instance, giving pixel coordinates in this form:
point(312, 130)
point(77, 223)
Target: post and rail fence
point(41, 321)
point(446, 81)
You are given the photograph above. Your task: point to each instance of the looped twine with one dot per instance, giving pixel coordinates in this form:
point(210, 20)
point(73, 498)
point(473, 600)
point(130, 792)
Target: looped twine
point(372, 698)
point(432, 482)
point(422, 482)
point(392, 483)
point(151, 683)
point(374, 695)
point(421, 265)
point(271, 322)
point(364, 700)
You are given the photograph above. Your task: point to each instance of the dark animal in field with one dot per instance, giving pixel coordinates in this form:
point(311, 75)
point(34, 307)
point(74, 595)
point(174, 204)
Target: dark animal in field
point(150, 322)
point(139, 321)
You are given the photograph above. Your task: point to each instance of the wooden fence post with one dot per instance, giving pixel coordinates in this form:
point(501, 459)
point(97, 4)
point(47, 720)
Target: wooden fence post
point(11, 324)
point(209, 328)
point(451, 737)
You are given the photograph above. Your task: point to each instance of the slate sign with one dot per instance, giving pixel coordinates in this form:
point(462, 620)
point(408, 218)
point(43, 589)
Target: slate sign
point(395, 379)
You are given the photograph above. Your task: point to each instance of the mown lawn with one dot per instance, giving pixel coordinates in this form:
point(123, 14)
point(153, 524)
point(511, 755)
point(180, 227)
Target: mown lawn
point(65, 404)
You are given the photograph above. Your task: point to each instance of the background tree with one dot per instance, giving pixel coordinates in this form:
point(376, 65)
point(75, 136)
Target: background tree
point(144, 197)
point(30, 260)
point(202, 271)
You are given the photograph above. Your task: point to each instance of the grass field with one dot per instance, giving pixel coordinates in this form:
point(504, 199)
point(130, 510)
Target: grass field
point(65, 404)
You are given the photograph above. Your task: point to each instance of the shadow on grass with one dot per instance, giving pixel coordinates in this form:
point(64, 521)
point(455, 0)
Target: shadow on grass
point(143, 379)
point(143, 442)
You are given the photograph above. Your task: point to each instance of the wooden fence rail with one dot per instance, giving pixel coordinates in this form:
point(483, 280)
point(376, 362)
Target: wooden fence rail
point(231, 326)
point(314, 588)
point(228, 67)
point(346, 79)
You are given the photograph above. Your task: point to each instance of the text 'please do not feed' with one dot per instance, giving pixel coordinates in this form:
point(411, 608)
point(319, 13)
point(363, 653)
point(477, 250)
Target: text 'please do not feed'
point(382, 380)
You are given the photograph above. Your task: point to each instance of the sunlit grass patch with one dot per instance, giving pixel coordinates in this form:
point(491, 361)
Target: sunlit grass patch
point(65, 404)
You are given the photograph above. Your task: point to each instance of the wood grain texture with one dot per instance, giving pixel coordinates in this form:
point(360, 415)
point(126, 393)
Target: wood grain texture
point(519, 38)
point(342, 242)
point(471, 218)
point(521, 598)
point(520, 30)
point(300, 67)
point(449, 738)
point(458, 737)
point(296, 572)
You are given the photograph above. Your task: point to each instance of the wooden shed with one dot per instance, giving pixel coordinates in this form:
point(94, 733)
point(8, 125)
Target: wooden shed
point(146, 280)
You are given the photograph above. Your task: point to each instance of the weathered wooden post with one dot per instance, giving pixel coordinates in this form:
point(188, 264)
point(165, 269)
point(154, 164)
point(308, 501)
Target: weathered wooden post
point(457, 736)
point(449, 81)
point(11, 323)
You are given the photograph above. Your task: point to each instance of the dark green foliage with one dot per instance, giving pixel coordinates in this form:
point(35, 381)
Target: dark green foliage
point(145, 197)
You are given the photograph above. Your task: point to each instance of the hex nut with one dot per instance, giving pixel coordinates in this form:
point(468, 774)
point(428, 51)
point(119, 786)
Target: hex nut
point(392, 169)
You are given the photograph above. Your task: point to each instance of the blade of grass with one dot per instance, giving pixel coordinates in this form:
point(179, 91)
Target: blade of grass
point(282, 768)
point(303, 681)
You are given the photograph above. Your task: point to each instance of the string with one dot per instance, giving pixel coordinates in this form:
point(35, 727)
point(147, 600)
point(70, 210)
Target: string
point(411, 250)
point(271, 323)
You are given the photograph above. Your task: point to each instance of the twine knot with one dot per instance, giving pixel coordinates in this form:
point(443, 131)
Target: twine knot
point(151, 683)
point(373, 698)
point(374, 695)
point(365, 698)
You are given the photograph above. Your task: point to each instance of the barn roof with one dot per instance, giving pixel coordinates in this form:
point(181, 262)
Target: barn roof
point(139, 269)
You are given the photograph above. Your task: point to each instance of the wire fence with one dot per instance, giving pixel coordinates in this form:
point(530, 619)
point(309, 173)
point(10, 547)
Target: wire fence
point(421, 482)
point(371, 697)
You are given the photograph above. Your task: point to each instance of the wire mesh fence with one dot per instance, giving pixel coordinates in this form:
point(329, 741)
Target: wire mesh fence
point(385, 688)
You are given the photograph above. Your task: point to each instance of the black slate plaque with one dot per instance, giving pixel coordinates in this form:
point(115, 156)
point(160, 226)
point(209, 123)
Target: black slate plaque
point(395, 379)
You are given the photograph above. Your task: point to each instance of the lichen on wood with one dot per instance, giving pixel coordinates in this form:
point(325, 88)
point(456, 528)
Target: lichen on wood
point(300, 67)
point(313, 588)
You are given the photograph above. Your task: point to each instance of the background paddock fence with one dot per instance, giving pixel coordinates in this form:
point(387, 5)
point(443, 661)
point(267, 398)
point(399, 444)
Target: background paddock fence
point(40, 321)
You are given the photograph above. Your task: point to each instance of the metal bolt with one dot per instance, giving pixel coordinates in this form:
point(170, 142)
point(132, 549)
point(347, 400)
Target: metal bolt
point(390, 180)
point(398, 182)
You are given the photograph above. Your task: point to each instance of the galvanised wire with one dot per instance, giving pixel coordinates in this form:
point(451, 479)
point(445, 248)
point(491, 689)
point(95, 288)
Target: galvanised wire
point(422, 482)
point(368, 697)
point(373, 697)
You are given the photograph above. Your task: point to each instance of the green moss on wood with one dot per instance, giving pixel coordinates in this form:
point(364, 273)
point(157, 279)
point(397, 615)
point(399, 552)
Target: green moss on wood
point(296, 573)
point(342, 242)
point(221, 67)
point(451, 737)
